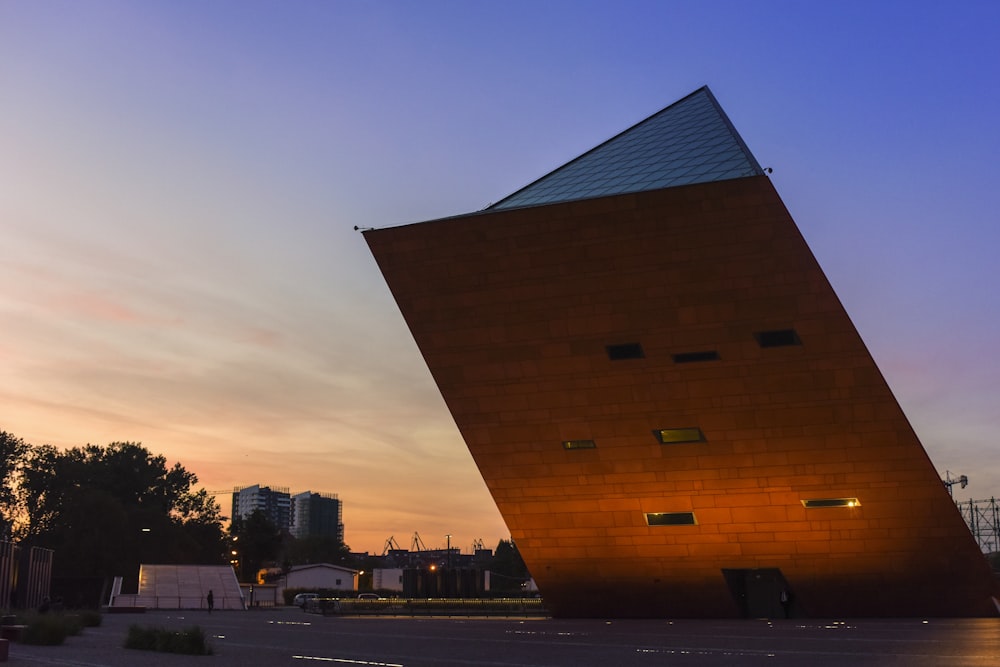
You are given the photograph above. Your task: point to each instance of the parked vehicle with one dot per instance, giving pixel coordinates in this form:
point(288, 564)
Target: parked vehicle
point(302, 598)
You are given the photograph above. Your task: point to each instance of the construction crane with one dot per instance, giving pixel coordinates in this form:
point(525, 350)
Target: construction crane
point(477, 544)
point(390, 545)
point(417, 544)
point(949, 481)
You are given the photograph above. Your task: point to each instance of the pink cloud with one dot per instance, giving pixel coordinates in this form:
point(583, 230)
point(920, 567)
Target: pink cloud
point(95, 306)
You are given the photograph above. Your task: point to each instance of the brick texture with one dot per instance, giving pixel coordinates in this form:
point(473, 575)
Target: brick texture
point(513, 312)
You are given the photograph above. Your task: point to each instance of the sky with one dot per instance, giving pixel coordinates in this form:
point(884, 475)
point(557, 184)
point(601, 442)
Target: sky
point(180, 181)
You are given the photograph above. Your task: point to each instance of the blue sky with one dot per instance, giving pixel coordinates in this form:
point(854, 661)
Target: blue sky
point(179, 182)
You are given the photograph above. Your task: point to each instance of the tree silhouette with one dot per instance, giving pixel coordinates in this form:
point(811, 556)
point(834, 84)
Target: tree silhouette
point(13, 451)
point(316, 549)
point(105, 510)
point(508, 568)
point(258, 543)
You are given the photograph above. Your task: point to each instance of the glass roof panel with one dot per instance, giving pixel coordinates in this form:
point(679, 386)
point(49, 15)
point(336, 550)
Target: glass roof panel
point(691, 141)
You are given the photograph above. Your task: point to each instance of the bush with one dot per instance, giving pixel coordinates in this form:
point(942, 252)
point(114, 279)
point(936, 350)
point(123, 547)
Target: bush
point(72, 623)
point(45, 630)
point(189, 642)
point(52, 629)
point(143, 639)
point(90, 618)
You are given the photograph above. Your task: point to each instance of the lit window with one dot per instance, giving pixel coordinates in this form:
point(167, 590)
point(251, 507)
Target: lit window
point(777, 338)
point(625, 351)
point(690, 357)
point(676, 436)
point(670, 519)
point(579, 444)
point(814, 503)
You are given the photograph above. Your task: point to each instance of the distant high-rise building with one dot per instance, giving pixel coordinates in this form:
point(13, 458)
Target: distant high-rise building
point(275, 503)
point(315, 514)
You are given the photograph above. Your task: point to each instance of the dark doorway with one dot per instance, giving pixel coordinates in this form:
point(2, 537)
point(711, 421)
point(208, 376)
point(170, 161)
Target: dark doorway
point(761, 593)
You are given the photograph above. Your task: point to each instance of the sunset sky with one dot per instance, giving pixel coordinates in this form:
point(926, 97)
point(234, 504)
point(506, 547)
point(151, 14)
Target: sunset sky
point(179, 183)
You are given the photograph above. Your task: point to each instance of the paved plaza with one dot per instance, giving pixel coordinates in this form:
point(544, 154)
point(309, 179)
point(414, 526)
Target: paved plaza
point(289, 637)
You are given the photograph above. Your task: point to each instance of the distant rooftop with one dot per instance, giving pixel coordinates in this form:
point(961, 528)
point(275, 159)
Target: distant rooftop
point(691, 141)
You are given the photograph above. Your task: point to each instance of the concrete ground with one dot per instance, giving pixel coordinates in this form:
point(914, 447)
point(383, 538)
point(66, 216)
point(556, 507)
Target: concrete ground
point(286, 636)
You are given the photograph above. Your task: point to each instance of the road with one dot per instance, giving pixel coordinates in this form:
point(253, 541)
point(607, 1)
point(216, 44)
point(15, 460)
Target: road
point(281, 637)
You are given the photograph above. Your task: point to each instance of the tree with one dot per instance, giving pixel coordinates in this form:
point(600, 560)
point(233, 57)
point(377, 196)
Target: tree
point(12, 456)
point(316, 549)
point(508, 568)
point(104, 510)
point(258, 543)
point(201, 519)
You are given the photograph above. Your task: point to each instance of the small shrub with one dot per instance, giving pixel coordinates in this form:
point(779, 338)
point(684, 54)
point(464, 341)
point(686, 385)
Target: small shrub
point(143, 639)
point(189, 642)
point(47, 630)
point(74, 625)
point(90, 618)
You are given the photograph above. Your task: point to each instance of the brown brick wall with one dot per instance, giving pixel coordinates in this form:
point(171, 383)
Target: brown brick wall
point(513, 311)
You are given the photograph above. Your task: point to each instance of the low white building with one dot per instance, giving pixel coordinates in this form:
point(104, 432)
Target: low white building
point(387, 579)
point(321, 576)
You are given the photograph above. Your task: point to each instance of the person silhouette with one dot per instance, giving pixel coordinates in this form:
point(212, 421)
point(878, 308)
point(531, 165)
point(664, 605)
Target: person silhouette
point(786, 601)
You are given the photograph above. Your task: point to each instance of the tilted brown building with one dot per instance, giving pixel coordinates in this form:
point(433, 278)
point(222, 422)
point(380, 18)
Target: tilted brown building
point(667, 400)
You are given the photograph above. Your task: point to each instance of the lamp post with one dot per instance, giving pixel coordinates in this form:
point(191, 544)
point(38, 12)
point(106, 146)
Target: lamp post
point(234, 558)
point(237, 564)
point(449, 550)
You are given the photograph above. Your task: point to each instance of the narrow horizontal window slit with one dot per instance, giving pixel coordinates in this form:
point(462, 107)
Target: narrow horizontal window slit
point(670, 519)
point(579, 444)
point(777, 338)
point(676, 436)
point(813, 503)
point(625, 351)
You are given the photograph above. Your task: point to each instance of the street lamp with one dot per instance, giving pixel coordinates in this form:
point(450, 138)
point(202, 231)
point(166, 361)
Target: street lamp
point(237, 564)
point(234, 559)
